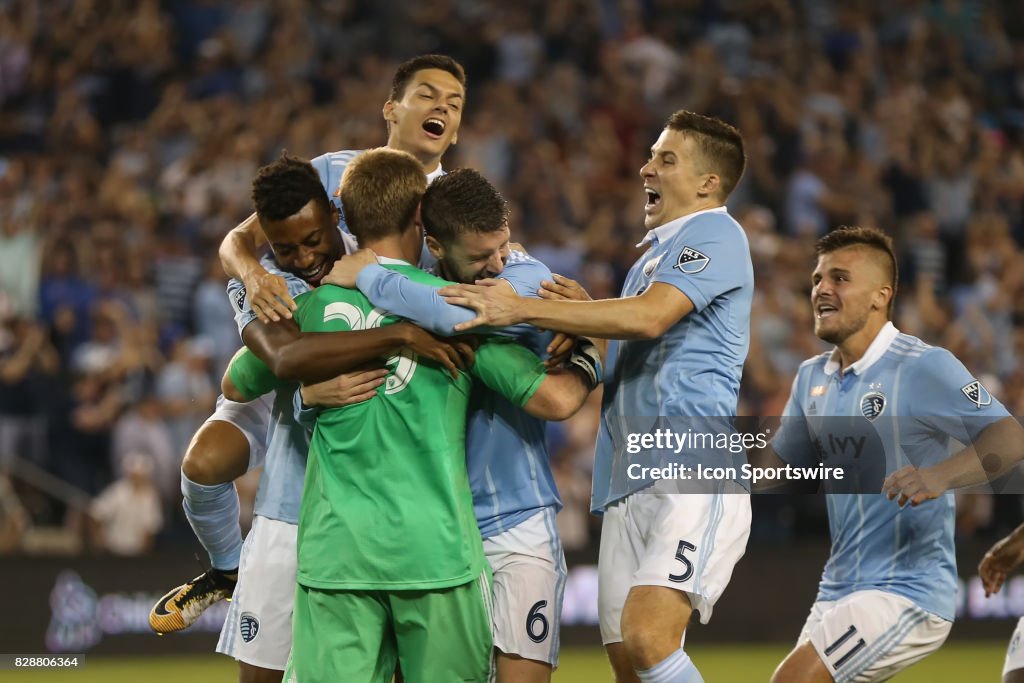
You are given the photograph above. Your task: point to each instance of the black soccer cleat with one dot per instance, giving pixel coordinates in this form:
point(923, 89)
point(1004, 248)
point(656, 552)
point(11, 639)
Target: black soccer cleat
point(180, 608)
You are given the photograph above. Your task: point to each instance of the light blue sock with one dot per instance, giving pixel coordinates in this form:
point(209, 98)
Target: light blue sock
point(676, 668)
point(213, 513)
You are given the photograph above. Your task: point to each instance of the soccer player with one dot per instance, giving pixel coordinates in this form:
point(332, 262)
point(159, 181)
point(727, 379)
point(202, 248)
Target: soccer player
point(878, 400)
point(514, 494)
point(423, 113)
point(1001, 559)
point(258, 629)
point(387, 481)
point(684, 320)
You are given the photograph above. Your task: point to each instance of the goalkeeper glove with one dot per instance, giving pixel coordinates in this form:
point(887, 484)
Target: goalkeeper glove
point(586, 358)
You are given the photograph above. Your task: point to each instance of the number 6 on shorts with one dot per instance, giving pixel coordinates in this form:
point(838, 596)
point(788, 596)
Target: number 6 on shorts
point(535, 617)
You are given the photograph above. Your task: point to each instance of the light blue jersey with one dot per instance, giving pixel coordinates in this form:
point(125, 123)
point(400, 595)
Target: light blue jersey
point(694, 368)
point(331, 167)
point(899, 404)
point(280, 488)
point(506, 450)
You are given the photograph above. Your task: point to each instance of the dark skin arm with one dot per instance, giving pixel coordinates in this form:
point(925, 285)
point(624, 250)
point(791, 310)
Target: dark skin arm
point(311, 357)
point(239, 256)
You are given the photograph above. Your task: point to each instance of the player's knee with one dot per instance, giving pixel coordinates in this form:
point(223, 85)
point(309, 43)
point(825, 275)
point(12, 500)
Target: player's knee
point(647, 645)
point(801, 666)
point(216, 456)
point(788, 673)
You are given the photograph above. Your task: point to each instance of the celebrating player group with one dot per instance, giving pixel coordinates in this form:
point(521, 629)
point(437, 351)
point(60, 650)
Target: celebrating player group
point(401, 356)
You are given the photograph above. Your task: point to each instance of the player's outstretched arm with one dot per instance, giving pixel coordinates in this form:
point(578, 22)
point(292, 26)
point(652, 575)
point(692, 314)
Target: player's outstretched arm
point(395, 293)
point(559, 397)
point(391, 291)
point(646, 316)
point(1001, 559)
point(239, 256)
point(997, 449)
point(311, 357)
point(564, 390)
point(518, 374)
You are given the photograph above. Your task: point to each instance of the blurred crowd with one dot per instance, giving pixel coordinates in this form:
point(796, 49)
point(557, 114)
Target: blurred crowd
point(130, 132)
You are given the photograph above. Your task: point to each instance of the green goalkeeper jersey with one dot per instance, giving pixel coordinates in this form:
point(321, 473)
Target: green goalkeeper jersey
point(386, 502)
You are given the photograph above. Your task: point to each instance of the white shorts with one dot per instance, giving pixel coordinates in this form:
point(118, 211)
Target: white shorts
point(1015, 652)
point(252, 419)
point(529, 581)
point(688, 542)
point(872, 635)
point(258, 627)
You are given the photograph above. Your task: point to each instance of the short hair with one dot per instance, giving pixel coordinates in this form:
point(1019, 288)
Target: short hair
point(284, 186)
point(406, 70)
point(720, 144)
point(872, 238)
point(461, 202)
point(380, 191)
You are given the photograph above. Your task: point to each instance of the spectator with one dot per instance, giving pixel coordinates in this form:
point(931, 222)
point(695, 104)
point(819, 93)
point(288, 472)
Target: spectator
point(126, 516)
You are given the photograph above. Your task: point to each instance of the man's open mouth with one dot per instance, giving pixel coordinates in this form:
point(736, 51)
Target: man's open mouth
point(434, 127)
point(653, 198)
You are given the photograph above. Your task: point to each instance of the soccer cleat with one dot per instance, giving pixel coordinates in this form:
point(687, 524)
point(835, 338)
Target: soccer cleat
point(180, 608)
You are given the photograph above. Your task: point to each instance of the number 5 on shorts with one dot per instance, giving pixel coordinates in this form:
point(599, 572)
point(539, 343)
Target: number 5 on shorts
point(687, 565)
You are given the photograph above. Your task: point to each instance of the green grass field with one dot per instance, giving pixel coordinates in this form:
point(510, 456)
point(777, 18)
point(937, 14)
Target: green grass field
point(955, 663)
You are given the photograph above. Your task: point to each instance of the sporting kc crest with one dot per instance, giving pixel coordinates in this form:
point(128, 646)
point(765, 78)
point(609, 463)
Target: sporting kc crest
point(249, 626)
point(872, 404)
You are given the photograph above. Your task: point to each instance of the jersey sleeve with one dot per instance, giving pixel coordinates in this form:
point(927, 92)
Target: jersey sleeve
point(509, 369)
point(322, 164)
point(525, 274)
point(419, 303)
point(240, 303)
point(793, 442)
point(304, 415)
point(706, 259)
point(251, 376)
point(948, 399)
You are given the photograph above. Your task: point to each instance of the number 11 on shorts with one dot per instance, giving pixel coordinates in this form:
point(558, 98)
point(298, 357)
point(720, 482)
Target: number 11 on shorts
point(842, 640)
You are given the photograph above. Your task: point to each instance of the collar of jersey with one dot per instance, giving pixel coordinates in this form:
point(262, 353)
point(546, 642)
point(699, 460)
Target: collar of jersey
point(875, 351)
point(435, 174)
point(388, 261)
point(667, 231)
